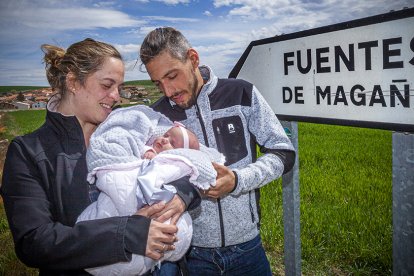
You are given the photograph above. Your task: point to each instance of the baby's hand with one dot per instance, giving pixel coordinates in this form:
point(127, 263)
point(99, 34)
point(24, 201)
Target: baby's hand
point(149, 154)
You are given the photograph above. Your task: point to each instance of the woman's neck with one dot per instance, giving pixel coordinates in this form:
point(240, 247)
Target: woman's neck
point(66, 109)
point(87, 129)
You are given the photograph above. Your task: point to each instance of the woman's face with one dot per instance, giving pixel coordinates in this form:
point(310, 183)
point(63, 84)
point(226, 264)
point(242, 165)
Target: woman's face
point(94, 100)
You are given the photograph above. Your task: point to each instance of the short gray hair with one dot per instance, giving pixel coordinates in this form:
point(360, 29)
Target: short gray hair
point(164, 39)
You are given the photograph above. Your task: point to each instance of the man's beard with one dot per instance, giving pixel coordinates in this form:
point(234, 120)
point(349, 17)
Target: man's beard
point(193, 98)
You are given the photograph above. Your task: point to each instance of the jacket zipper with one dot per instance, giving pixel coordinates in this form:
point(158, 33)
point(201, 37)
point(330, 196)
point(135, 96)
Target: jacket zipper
point(203, 128)
point(251, 207)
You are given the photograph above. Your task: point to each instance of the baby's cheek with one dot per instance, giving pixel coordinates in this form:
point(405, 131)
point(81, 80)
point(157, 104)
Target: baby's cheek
point(167, 146)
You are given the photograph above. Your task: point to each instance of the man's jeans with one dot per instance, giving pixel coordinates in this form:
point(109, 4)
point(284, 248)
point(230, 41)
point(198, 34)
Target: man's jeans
point(167, 269)
point(248, 258)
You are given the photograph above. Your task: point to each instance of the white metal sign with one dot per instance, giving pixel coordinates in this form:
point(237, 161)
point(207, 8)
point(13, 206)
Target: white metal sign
point(354, 73)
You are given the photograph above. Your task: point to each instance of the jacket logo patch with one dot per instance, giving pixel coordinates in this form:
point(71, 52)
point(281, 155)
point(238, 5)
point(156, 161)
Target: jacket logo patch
point(231, 128)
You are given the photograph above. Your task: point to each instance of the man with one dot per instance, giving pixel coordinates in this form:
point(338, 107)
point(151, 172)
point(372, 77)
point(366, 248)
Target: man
point(233, 117)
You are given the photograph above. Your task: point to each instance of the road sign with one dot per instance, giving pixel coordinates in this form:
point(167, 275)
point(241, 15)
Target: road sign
point(357, 73)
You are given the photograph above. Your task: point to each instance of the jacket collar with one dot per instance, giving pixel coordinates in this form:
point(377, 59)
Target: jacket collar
point(210, 79)
point(64, 125)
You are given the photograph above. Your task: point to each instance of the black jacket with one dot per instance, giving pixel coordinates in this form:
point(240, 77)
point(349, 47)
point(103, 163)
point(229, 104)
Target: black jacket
point(44, 190)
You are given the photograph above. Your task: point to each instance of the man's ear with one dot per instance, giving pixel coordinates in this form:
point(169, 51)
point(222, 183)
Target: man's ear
point(194, 58)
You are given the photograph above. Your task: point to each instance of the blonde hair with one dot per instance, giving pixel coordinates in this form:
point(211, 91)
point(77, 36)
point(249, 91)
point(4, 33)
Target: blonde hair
point(81, 59)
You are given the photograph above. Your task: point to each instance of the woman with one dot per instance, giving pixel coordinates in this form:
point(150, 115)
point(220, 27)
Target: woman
point(44, 184)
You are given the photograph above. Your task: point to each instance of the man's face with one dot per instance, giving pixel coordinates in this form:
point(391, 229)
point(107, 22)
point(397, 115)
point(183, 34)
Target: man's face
point(176, 79)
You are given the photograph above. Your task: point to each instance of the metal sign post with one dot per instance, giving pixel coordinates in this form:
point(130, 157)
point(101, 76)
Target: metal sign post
point(291, 208)
point(403, 203)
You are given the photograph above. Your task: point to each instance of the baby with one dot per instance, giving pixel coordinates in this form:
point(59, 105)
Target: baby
point(177, 152)
point(176, 137)
point(132, 157)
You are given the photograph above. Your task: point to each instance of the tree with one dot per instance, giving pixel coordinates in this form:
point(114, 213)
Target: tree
point(20, 97)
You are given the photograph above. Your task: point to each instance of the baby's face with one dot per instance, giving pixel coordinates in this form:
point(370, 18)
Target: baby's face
point(172, 139)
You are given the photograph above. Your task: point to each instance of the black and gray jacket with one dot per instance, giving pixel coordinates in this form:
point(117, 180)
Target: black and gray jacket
point(232, 116)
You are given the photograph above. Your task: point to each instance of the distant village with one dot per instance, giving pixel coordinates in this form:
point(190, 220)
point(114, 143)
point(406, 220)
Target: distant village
point(37, 99)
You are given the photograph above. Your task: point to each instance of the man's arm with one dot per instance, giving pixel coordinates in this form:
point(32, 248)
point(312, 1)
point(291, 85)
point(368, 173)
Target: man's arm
point(278, 154)
point(187, 198)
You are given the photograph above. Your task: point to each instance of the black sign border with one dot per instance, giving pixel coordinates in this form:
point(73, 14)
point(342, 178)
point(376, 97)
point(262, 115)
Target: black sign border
point(393, 15)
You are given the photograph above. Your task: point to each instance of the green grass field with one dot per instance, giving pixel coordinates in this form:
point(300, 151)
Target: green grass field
point(5, 89)
point(21, 122)
point(346, 195)
point(345, 188)
point(140, 82)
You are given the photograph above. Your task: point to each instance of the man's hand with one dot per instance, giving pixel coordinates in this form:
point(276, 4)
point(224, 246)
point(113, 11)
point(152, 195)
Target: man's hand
point(161, 238)
point(224, 184)
point(149, 210)
point(172, 210)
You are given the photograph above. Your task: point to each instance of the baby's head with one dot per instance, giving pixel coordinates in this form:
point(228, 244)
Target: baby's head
point(176, 137)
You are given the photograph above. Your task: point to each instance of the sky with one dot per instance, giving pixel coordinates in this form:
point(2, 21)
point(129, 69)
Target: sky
point(220, 30)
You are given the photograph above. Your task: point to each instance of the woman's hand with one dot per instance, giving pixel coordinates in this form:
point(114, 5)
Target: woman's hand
point(161, 238)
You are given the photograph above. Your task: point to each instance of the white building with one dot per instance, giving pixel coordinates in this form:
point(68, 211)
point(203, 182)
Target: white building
point(21, 105)
point(39, 105)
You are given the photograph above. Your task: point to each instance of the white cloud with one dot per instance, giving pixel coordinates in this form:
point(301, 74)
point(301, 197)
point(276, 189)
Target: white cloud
point(174, 2)
point(220, 49)
point(253, 9)
point(70, 19)
point(171, 19)
point(105, 4)
point(337, 9)
point(127, 48)
point(93, 34)
point(33, 74)
point(145, 30)
point(218, 33)
point(167, 2)
point(222, 61)
point(207, 13)
point(223, 48)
